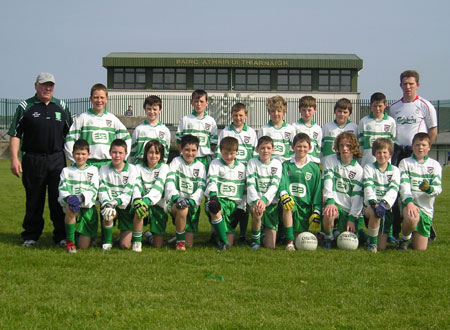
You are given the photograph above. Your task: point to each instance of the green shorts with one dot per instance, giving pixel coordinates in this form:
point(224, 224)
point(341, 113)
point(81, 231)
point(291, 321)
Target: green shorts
point(87, 221)
point(228, 208)
point(158, 220)
point(271, 217)
point(424, 225)
point(343, 217)
point(125, 218)
point(386, 222)
point(191, 220)
point(300, 217)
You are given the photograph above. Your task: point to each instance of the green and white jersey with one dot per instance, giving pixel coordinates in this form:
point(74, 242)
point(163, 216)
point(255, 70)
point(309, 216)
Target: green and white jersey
point(412, 174)
point(314, 132)
point(150, 184)
point(329, 133)
point(303, 183)
point(263, 180)
point(79, 181)
point(204, 128)
point(380, 185)
point(117, 186)
point(247, 142)
point(227, 182)
point(99, 131)
point(343, 185)
point(282, 139)
point(370, 129)
point(145, 132)
point(186, 180)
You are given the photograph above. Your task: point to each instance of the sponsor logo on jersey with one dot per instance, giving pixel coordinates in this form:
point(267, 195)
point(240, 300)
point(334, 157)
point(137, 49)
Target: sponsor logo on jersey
point(207, 127)
point(430, 169)
point(297, 189)
point(89, 176)
point(100, 137)
point(315, 135)
point(278, 148)
point(108, 123)
point(308, 176)
point(406, 121)
point(161, 135)
point(202, 139)
point(287, 135)
point(342, 186)
point(125, 179)
point(273, 170)
point(246, 139)
point(36, 114)
point(195, 172)
point(387, 128)
point(352, 174)
point(228, 189)
point(240, 175)
point(241, 153)
point(186, 186)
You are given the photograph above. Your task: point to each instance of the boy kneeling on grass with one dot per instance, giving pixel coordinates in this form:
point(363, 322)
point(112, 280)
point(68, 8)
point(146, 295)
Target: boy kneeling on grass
point(225, 191)
point(78, 189)
point(420, 183)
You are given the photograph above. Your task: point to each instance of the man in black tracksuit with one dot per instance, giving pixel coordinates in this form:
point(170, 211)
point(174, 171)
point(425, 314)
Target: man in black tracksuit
point(40, 125)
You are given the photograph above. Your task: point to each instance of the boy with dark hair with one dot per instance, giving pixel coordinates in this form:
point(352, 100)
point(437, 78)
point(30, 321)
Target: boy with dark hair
point(300, 191)
point(151, 128)
point(381, 185)
point(185, 188)
point(78, 189)
point(375, 125)
point(117, 181)
point(307, 106)
point(342, 111)
point(201, 125)
point(225, 192)
point(420, 184)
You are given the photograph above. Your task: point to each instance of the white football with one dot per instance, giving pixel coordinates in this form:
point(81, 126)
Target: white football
point(306, 241)
point(347, 241)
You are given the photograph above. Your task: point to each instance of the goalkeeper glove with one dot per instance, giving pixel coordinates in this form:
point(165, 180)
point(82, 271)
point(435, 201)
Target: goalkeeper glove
point(426, 187)
point(140, 208)
point(287, 202)
point(74, 202)
point(214, 205)
point(314, 222)
point(108, 210)
point(182, 203)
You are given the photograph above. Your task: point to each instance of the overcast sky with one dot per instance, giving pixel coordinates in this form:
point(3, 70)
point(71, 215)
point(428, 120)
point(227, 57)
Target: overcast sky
point(69, 38)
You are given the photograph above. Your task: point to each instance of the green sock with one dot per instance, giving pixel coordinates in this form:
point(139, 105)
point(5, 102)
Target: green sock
point(329, 235)
point(289, 233)
point(181, 237)
point(256, 236)
point(373, 240)
point(137, 236)
point(221, 230)
point(70, 231)
point(108, 233)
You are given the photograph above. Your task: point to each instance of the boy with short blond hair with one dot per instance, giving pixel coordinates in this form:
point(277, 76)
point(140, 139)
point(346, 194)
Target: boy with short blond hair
point(201, 125)
point(300, 191)
point(342, 111)
point(381, 185)
point(342, 188)
point(263, 180)
point(151, 128)
point(117, 181)
point(420, 184)
point(373, 126)
point(185, 187)
point(281, 133)
point(78, 189)
point(98, 127)
point(225, 192)
point(307, 106)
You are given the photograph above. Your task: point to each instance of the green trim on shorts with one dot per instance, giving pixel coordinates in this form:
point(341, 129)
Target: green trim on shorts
point(228, 207)
point(87, 221)
point(343, 218)
point(157, 219)
point(424, 225)
point(271, 217)
point(300, 217)
point(125, 218)
point(192, 219)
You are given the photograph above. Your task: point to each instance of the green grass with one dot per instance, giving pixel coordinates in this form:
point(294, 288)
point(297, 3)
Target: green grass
point(45, 288)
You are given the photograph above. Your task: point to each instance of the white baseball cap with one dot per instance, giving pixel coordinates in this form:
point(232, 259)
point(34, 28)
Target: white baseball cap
point(45, 77)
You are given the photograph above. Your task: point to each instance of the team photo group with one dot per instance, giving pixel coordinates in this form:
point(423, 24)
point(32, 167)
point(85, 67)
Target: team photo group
point(298, 185)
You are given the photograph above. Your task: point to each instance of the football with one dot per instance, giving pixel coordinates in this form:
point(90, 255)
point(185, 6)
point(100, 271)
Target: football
point(306, 241)
point(347, 241)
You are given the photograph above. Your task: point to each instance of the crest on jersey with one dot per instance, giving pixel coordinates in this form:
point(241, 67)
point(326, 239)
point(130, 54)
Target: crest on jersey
point(196, 172)
point(156, 175)
point(387, 128)
point(161, 135)
point(240, 175)
point(308, 176)
point(273, 170)
point(246, 139)
point(389, 177)
point(125, 179)
point(89, 176)
point(207, 127)
point(352, 174)
point(417, 111)
point(108, 123)
point(315, 135)
point(287, 135)
point(430, 169)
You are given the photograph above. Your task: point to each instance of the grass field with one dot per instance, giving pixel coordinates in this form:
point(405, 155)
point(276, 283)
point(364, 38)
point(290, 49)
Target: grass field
point(45, 288)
